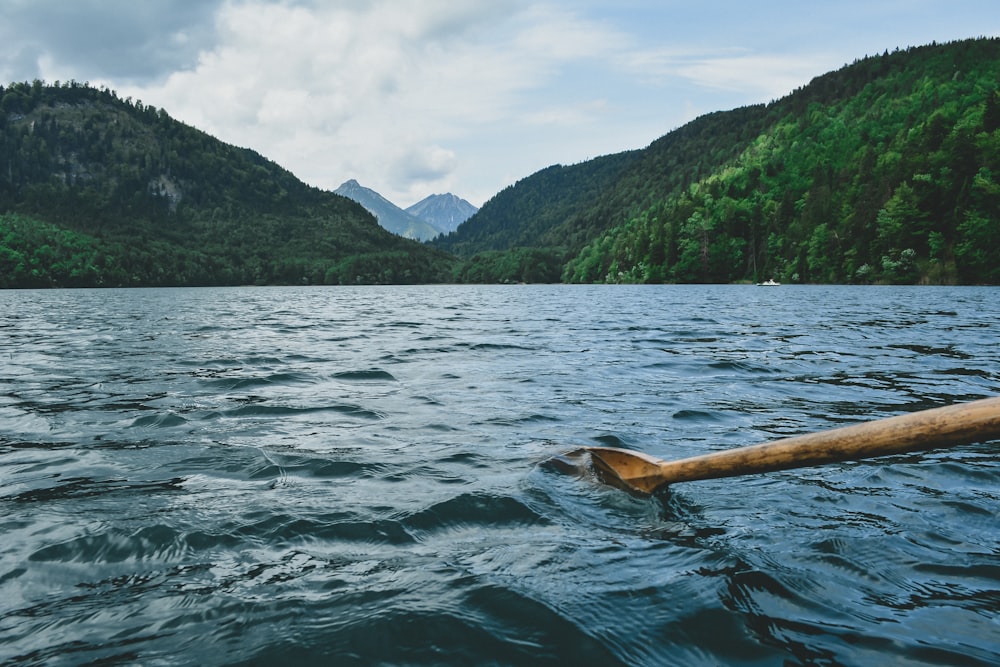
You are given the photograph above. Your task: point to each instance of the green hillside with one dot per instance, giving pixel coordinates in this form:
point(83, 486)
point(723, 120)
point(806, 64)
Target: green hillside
point(99, 191)
point(526, 213)
point(884, 171)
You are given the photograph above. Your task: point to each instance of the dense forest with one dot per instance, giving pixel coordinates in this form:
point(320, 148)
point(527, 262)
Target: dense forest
point(884, 171)
point(101, 191)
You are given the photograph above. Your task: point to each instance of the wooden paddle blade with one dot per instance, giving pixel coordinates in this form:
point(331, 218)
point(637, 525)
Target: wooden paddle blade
point(576, 462)
point(635, 472)
point(639, 473)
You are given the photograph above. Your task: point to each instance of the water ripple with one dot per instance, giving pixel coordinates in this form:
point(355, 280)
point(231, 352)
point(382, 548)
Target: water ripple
point(366, 476)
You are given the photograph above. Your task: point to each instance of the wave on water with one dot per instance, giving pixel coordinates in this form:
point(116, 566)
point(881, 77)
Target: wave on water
point(366, 476)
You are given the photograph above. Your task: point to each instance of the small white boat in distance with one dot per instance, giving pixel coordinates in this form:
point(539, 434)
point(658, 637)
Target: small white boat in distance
point(770, 282)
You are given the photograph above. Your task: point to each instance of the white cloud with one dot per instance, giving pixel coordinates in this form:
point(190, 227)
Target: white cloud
point(571, 115)
point(742, 71)
point(90, 39)
point(392, 92)
point(418, 96)
point(384, 92)
point(425, 164)
point(763, 76)
point(562, 35)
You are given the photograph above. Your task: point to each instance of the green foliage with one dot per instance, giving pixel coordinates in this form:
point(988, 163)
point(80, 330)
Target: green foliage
point(884, 171)
point(161, 203)
point(978, 249)
point(518, 265)
point(529, 212)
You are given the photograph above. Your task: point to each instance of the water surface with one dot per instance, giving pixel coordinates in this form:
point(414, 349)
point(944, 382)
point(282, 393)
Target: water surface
point(358, 476)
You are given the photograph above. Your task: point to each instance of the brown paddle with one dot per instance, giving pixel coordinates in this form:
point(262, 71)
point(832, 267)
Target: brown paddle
point(963, 423)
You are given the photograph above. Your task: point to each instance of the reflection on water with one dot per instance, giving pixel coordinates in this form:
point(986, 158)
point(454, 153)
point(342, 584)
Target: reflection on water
point(367, 475)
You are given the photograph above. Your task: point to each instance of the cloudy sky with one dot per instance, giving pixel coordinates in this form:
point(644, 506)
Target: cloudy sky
point(414, 97)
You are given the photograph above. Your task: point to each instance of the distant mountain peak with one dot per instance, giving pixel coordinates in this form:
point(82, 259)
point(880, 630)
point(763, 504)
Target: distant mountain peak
point(428, 218)
point(389, 216)
point(74, 154)
point(445, 212)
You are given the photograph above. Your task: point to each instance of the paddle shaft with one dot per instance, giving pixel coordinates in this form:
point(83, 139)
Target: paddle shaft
point(929, 429)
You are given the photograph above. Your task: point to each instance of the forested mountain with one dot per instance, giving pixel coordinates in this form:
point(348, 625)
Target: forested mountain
point(98, 190)
point(443, 212)
point(525, 214)
point(517, 236)
point(389, 216)
point(884, 171)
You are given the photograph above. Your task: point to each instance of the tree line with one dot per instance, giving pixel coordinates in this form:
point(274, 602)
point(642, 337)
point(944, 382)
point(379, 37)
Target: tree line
point(883, 171)
point(102, 191)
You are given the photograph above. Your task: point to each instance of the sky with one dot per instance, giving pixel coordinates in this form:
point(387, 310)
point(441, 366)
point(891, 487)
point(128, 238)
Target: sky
point(420, 97)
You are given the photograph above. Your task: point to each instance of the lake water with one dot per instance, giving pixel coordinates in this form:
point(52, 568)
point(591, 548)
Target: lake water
point(359, 476)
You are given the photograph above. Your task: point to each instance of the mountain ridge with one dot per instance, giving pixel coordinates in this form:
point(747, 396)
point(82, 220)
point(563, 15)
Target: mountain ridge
point(882, 171)
point(389, 216)
point(103, 191)
point(427, 219)
point(444, 212)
